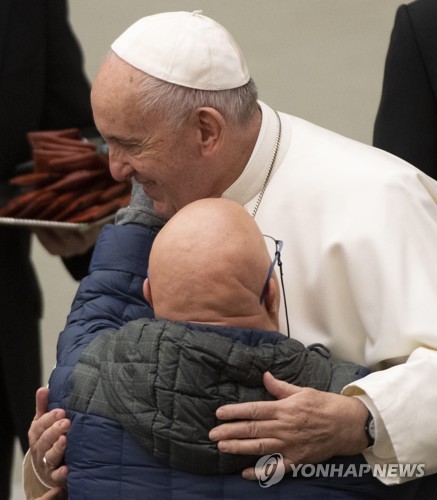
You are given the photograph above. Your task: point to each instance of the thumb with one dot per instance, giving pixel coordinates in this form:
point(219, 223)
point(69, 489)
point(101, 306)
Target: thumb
point(278, 388)
point(42, 401)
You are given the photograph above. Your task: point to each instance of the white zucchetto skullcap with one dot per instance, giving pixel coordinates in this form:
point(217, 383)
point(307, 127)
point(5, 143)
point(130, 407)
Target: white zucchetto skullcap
point(186, 49)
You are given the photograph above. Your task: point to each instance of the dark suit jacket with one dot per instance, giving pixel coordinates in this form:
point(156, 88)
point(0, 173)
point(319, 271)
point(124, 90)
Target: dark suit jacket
point(406, 124)
point(42, 86)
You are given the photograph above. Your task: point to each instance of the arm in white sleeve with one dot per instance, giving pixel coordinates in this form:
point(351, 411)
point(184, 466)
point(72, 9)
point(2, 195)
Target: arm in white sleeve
point(396, 284)
point(402, 399)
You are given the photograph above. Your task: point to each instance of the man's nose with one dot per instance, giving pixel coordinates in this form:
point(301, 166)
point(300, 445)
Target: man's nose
point(119, 167)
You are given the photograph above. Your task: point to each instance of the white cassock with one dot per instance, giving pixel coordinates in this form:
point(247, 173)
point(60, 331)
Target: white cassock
point(359, 228)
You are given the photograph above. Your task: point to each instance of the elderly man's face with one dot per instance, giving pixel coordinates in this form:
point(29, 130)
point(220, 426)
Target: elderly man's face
point(166, 163)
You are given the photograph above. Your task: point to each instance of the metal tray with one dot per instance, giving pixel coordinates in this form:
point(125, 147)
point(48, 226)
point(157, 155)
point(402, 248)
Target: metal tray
point(77, 226)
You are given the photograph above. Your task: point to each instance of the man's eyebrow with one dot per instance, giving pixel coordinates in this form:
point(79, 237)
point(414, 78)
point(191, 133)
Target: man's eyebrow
point(121, 140)
point(127, 141)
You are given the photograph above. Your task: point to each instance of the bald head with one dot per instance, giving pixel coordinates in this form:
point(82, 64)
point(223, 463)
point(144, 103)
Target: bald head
point(209, 264)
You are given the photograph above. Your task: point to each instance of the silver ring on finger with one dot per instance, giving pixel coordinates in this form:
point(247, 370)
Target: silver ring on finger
point(47, 464)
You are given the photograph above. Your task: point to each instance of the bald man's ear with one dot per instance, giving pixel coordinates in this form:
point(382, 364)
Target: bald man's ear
point(147, 292)
point(272, 300)
point(211, 127)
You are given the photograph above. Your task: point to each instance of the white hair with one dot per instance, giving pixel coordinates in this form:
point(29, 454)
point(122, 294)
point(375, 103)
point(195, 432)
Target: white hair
point(175, 103)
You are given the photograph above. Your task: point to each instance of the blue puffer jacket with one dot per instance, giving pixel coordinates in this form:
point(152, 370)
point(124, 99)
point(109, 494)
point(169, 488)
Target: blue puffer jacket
point(103, 459)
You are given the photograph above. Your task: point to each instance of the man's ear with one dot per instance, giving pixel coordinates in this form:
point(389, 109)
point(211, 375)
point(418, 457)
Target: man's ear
point(272, 300)
point(147, 292)
point(211, 129)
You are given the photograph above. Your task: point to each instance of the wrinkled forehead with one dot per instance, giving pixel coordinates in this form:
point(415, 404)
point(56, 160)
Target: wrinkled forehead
point(114, 100)
point(115, 81)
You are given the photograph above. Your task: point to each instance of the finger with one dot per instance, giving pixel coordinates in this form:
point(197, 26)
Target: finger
point(49, 469)
point(258, 410)
point(259, 447)
point(39, 427)
point(249, 474)
point(246, 429)
point(59, 476)
point(41, 447)
point(42, 400)
point(55, 455)
point(53, 434)
point(278, 388)
point(52, 494)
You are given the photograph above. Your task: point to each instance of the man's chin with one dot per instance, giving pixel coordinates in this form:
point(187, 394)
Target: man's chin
point(164, 210)
point(162, 207)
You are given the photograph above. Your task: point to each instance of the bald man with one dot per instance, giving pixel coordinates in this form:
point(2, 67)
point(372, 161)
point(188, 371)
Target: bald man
point(209, 265)
point(163, 379)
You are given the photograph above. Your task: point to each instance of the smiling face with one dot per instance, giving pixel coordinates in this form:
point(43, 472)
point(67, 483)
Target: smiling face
point(169, 164)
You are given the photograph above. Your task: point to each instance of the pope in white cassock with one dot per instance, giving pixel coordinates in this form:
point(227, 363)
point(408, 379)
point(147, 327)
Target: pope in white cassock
point(359, 228)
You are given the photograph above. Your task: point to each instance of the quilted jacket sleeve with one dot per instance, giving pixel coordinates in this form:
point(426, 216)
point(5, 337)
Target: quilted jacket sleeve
point(106, 299)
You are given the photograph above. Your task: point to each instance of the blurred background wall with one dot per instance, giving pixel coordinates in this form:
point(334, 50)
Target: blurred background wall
point(321, 60)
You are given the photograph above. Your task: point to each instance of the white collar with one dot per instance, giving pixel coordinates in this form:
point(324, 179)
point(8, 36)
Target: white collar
point(251, 180)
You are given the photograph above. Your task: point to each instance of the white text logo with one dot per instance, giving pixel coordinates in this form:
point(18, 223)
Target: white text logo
point(270, 470)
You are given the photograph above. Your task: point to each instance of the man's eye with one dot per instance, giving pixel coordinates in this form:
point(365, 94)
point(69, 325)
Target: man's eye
point(132, 148)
